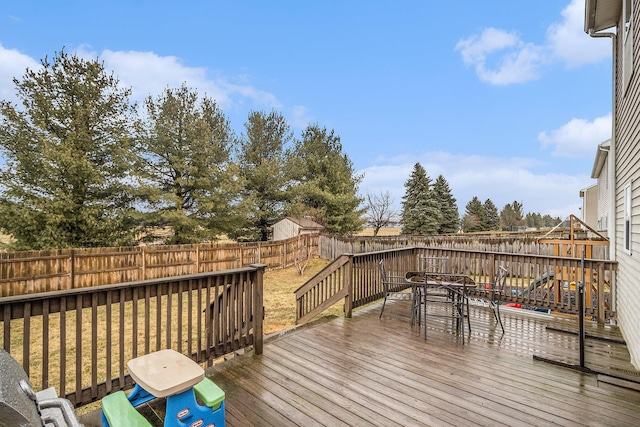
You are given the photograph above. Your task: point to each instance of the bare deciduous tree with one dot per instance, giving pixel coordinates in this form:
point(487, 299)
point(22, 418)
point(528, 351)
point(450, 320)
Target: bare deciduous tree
point(380, 210)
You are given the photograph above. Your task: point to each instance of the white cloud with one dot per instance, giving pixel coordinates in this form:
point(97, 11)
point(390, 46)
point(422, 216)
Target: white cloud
point(569, 43)
point(476, 48)
point(501, 180)
point(519, 61)
point(516, 61)
point(299, 117)
point(13, 64)
point(147, 74)
point(577, 138)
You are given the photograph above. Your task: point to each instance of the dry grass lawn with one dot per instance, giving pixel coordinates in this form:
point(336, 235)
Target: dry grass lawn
point(279, 301)
point(386, 231)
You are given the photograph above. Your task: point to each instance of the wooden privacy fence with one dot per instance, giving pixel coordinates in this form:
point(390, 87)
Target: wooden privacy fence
point(79, 340)
point(535, 281)
point(43, 271)
point(332, 247)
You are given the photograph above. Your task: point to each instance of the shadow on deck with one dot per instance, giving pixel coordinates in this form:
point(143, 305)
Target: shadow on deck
point(369, 371)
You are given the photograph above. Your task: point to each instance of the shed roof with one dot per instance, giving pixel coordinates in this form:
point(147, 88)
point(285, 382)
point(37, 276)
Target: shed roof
point(305, 223)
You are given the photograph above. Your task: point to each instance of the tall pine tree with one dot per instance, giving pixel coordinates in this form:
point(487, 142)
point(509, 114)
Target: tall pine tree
point(327, 185)
point(473, 219)
point(263, 159)
point(491, 217)
point(66, 177)
point(449, 218)
point(420, 210)
point(512, 215)
point(187, 177)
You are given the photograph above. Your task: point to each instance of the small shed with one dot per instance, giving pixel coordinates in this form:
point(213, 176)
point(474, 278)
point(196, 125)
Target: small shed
point(294, 226)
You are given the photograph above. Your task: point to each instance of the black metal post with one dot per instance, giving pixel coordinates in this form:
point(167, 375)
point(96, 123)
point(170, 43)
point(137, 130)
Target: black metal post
point(581, 310)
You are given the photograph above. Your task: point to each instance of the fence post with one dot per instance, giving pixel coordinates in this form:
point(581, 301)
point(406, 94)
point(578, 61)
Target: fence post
point(492, 267)
point(197, 258)
point(348, 283)
point(143, 271)
point(258, 308)
point(73, 269)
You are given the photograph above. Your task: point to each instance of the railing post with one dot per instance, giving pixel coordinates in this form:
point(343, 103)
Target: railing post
point(600, 292)
point(258, 308)
point(348, 279)
point(492, 266)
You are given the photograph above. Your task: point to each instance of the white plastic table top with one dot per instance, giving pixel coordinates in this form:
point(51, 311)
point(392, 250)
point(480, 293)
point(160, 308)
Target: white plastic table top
point(165, 372)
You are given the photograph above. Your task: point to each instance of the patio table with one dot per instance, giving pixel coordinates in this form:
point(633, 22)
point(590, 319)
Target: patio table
point(456, 285)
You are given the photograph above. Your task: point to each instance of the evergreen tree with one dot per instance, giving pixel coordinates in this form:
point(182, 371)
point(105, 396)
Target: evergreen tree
point(512, 216)
point(326, 184)
point(68, 158)
point(534, 220)
point(491, 217)
point(474, 218)
point(420, 211)
point(550, 221)
point(449, 216)
point(263, 164)
point(186, 175)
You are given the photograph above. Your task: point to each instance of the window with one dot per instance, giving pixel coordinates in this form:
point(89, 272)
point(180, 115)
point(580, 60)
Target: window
point(627, 43)
point(627, 218)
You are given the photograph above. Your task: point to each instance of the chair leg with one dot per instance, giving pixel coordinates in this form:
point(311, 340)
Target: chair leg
point(383, 303)
point(468, 315)
point(497, 314)
point(460, 319)
point(416, 305)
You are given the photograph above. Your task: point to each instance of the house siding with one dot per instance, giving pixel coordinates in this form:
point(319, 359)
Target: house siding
point(285, 229)
point(292, 227)
point(603, 198)
point(590, 206)
point(627, 160)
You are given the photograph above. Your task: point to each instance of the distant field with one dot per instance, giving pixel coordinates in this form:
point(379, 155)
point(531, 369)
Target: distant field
point(386, 231)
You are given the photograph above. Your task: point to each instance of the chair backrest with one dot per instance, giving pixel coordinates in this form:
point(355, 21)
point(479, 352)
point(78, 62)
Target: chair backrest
point(434, 264)
point(383, 272)
point(501, 279)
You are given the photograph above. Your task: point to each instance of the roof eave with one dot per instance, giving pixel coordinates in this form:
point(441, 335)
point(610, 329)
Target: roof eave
point(601, 14)
point(601, 157)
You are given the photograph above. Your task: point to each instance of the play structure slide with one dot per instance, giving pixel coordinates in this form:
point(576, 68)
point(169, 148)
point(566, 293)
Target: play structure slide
point(540, 281)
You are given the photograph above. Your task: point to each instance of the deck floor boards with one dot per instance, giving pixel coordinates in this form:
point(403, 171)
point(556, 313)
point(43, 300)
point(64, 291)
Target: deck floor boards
point(367, 371)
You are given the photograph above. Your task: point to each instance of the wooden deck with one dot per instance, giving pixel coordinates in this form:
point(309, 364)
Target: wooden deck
point(369, 371)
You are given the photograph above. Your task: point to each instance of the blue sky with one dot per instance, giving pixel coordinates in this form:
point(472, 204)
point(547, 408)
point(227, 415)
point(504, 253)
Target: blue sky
point(507, 100)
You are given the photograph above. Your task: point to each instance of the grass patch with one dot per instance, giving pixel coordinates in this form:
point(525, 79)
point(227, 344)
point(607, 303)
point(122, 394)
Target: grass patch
point(384, 231)
point(279, 300)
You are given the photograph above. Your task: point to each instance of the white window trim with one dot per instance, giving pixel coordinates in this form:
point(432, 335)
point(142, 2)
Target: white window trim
point(627, 240)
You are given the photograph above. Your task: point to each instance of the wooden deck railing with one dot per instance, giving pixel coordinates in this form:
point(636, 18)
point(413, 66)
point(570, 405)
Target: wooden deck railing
point(80, 340)
point(535, 281)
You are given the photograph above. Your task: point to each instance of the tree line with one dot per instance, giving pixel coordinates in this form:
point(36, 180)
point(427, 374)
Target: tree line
point(485, 217)
point(87, 167)
point(428, 207)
